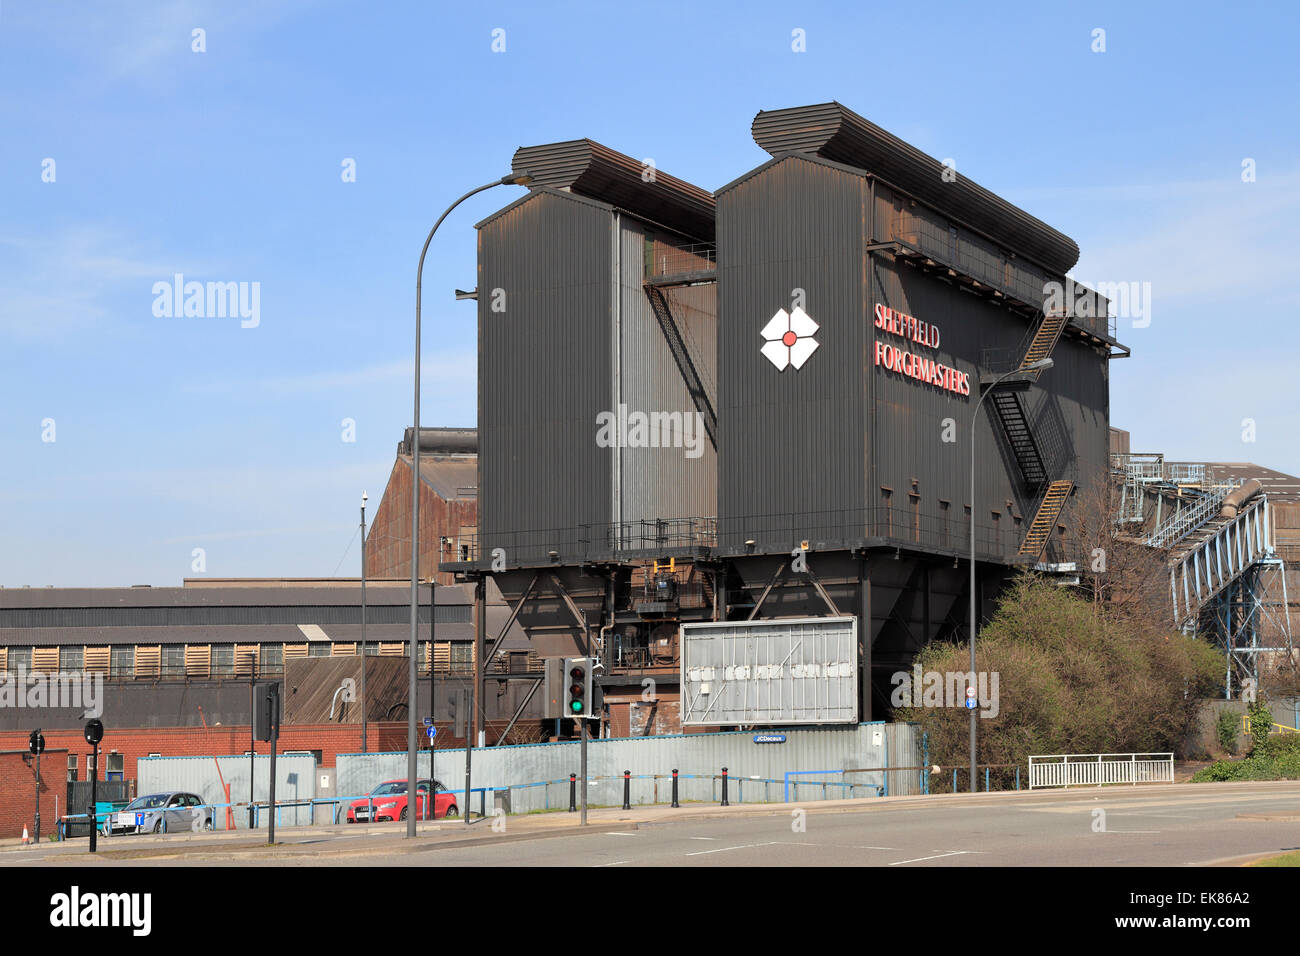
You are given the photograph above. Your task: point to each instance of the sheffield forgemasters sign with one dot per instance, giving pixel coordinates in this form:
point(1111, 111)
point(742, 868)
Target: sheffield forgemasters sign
point(791, 671)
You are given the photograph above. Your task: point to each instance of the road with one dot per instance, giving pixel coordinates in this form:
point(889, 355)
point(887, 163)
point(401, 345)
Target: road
point(1182, 825)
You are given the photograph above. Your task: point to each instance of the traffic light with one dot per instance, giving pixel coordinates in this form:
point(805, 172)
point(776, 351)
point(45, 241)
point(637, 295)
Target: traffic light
point(94, 731)
point(266, 710)
point(577, 688)
point(36, 742)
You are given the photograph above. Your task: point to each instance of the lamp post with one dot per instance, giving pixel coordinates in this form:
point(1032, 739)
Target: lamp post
point(1041, 364)
point(517, 179)
point(364, 498)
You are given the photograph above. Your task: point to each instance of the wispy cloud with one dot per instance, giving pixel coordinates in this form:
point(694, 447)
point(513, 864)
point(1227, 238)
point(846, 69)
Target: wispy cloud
point(458, 369)
point(57, 284)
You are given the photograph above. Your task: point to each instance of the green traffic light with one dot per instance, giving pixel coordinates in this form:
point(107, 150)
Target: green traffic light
point(576, 706)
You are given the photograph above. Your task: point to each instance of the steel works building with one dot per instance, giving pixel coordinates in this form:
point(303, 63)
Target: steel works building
point(756, 404)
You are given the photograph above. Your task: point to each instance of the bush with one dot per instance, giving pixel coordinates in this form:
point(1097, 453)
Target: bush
point(1261, 722)
point(1070, 681)
point(1226, 726)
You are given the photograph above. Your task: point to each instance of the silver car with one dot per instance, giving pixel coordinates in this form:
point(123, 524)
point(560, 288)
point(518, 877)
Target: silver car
point(172, 812)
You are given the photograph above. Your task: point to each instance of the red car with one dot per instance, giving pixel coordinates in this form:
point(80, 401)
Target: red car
point(388, 801)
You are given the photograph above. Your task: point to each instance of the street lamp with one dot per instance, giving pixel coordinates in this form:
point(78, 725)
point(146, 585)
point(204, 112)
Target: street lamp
point(364, 498)
point(1038, 366)
point(516, 179)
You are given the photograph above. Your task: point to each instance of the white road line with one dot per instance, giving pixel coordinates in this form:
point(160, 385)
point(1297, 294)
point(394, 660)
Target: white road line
point(705, 838)
point(615, 863)
point(750, 846)
point(724, 849)
point(939, 857)
point(619, 833)
point(875, 848)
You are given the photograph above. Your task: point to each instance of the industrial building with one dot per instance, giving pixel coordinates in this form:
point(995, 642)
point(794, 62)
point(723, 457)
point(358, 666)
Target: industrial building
point(756, 403)
point(1226, 532)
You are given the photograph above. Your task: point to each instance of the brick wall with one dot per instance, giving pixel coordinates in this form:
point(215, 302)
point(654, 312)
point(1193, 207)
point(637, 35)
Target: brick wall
point(18, 788)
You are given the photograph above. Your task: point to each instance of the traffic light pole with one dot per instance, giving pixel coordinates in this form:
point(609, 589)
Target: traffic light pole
point(582, 746)
point(38, 799)
point(275, 739)
point(94, 805)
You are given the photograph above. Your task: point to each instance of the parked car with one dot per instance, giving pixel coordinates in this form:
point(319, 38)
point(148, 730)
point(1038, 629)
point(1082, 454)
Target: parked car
point(389, 802)
point(171, 812)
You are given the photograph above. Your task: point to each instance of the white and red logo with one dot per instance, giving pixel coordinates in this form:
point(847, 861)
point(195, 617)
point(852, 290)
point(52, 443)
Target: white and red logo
point(789, 338)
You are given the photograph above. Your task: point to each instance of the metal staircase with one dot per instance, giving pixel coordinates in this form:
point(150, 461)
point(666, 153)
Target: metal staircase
point(1011, 412)
point(1201, 512)
point(1049, 511)
point(1043, 341)
point(1214, 556)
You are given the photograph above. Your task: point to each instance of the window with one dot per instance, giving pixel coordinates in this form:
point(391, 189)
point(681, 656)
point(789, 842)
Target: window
point(173, 660)
point(318, 649)
point(462, 657)
point(223, 660)
point(71, 658)
point(72, 770)
point(121, 661)
point(20, 657)
point(114, 766)
point(272, 659)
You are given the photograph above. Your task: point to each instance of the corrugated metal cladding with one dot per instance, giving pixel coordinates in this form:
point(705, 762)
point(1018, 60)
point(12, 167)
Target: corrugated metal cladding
point(842, 433)
point(679, 478)
point(295, 779)
point(544, 371)
point(1068, 408)
point(800, 671)
point(827, 750)
point(835, 132)
point(793, 441)
point(577, 339)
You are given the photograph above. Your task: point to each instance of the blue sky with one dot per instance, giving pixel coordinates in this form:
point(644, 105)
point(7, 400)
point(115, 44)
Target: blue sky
point(225, 165)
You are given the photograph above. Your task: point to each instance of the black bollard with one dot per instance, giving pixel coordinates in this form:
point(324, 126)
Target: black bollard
point(675, 803)
point(573, 793)
point(724, 788)
point(627, 789)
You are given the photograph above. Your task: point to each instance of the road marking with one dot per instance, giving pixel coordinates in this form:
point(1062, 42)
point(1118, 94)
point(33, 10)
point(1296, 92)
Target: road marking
point(939, 857)
point(875, 848)
point(615, 863)
point(705, 838)
point(619, 833)
point(750, 846)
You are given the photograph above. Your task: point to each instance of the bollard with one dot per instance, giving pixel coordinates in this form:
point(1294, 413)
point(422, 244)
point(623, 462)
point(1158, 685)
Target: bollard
point(724, 788)
point(675, 803)
point(1017, 776)
point(573, 793)
point(627, 789)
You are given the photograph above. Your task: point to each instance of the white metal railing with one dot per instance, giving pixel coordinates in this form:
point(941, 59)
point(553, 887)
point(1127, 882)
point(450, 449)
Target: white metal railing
point(1095, 770)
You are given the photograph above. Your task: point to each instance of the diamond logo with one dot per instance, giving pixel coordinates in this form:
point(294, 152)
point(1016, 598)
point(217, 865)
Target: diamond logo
point(789, 338)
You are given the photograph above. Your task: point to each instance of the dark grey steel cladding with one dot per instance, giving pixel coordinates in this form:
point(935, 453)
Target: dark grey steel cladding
point(569, 339)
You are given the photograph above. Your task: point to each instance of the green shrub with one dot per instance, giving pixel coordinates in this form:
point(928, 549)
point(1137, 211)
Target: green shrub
point(1226, 726)
point(1070, 681)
